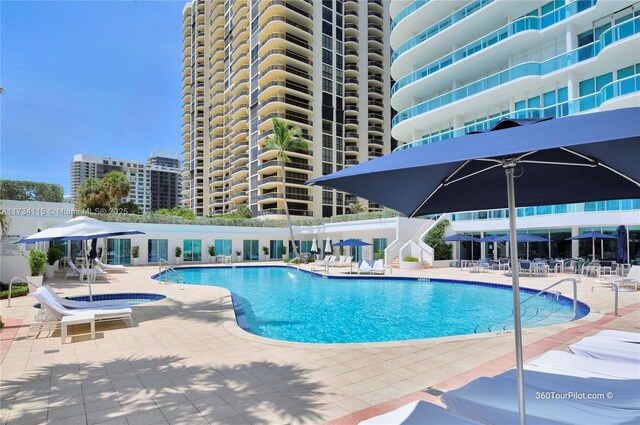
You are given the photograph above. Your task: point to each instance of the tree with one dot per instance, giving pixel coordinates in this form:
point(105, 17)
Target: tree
point(92, 195)
point(117, 185)
point(4, 223)
point(130, 207)
point(441, 250)
point(178, 212)
point(23, 190)
point(286, 138)
point(243, 211)
point(356, 208)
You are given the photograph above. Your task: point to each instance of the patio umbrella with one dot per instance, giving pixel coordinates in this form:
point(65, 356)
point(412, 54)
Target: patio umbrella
point(314, 247)
point(621, 248)
point(352, 242)
point(598, 152)
point(327, 247)
point(593, 236)
point(458, 237)
point(81, 229)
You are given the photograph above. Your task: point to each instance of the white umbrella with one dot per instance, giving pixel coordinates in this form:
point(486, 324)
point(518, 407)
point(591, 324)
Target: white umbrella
point(327, 247)
point(80, 229)
point(314, 247)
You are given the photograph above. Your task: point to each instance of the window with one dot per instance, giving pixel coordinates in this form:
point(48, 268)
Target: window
point(118, 251)
point(379, 244)
point(157, 249)
point(275, 249)
point(192, 250)
point(223, 246)
point(250, 250)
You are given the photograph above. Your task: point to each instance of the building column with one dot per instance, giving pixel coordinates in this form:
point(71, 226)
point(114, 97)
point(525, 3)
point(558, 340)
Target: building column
point(575, 231)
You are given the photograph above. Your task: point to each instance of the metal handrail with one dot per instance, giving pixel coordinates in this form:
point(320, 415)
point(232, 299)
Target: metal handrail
point(168, 269)
point(575, 292)
point(23, 279)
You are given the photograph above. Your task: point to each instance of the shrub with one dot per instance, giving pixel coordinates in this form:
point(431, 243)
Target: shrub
point(265, 250)
point(17, 290)
point(53, 254)
point(379, 254)
point(37, 261)
point(212, 250)
point(135, 251)
point(283, 250)
point(441, 250)
point(286, 260)
point(178, 251)
point(410, 259)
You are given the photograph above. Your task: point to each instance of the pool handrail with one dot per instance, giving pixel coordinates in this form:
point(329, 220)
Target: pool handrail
point(575, 291)
point(168, 269)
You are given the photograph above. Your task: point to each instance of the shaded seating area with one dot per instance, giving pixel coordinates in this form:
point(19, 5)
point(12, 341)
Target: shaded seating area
point(607, 364)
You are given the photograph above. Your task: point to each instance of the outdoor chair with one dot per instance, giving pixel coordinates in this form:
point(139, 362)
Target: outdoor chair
point(73, 304)
point(378, 267)
point(525, 267)
point(503, 264)
point(74, 272)
point(111, 267)
point(364, 267)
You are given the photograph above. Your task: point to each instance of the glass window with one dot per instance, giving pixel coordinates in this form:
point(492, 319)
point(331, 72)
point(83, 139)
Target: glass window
point(250, 250)
point(223, 246)
point(379, 245)
point(275, 249)
point(192, 250)
point(119, 251)
point(587, 87)
point(157, 249)
point(603, 80)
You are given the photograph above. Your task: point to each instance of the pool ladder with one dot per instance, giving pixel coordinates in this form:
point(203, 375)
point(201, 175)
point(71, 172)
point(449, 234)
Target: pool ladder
point(179, 276)
point(555, 294)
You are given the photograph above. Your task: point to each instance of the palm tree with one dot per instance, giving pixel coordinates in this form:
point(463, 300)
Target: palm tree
point(4, 223)
point(356, 208)
point(117, 185)
point(286, 138)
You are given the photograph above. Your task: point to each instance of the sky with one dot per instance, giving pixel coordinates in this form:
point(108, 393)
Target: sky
point(93, 77)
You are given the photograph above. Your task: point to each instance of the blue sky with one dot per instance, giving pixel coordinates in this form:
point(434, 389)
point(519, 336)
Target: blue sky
point(94, 77)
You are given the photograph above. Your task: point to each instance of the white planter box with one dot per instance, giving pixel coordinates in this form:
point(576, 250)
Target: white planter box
point(49, 270)
point(35, 281)
point(135, 261)
point(178, 260)
point(410, 265)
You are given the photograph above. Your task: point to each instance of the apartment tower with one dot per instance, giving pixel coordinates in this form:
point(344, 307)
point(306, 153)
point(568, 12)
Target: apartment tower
point(315, 64)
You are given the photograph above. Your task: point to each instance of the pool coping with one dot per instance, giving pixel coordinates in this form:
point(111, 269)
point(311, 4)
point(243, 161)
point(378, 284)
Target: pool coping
point(240, 328)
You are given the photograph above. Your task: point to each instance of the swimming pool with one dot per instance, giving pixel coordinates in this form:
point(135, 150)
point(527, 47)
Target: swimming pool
point(132, 299)
point(293, 305)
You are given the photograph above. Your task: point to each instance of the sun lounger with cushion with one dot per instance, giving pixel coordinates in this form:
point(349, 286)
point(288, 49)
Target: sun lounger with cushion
point(364, 267)
point(607, 349)
point(621, 336)
point(419, 413)
point(563, 363)
point(111, 267)
point(119, 304)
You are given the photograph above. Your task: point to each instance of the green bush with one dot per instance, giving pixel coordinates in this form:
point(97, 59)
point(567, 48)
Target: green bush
point(53, 254)
point(178, 251)
point(17, 290)
point(286, 260)
point(410, 259)
point(283, 250)
point(135, 251)
point(212, 250)
point(441, 250)
point(37, 260)
point(379, 254)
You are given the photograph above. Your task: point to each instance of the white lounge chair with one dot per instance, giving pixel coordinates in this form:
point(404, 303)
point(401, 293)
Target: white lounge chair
point(379, 267)
point(621, 336)
point(607, 349)
point(364, 267)
point(111, 267)
point(74, 272)
point(91, 273)
point(633, 277)
point(344, 261)
point(563, 363)
point(56, 311)
point(495, 401)
point(73, 304)
point(419, 413)
point(337, 260)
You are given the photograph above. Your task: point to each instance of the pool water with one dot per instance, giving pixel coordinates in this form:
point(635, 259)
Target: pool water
point(131, 298)
point(292, 305)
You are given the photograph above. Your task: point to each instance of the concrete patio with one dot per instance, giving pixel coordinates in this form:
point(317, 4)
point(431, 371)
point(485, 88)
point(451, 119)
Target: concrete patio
point(185, 361)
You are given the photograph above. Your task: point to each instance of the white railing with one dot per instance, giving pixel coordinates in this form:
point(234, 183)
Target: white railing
point(17, 278)
point(179, 276)
point(416, 246)
point(392, 251)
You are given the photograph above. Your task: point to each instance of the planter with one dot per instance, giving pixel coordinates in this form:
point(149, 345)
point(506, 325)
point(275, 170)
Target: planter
point(135, 261)
point(35, 281)
point(410, 265)
point(283, 257)
point(49, 270)
point(439, 264)
point(178, 260)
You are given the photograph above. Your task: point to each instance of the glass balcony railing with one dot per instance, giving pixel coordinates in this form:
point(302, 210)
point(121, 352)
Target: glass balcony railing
point(544, 21)
point(456, 16)
point(609, 37)
point(610, 91)
point(527, 23)
point(408, 10)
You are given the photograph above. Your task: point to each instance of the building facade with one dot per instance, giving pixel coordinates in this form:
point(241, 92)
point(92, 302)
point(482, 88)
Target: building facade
point(154, 185)
point(317, 64)
point(461, 66)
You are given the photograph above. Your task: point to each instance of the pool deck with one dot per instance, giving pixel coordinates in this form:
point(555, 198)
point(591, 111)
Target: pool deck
point(185, 361)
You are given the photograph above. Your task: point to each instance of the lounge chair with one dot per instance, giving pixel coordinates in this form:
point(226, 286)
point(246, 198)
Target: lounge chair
point(56, 311)
point(621, 336)
point(419, 413)
point(379, 267)
point(73, 304)
point(91, 273)
point(74, 272)
point(337, 260)
point(111, 267)
point(563, 363)
point(344, 261)
point(633, 277)
point(607, 349)
point(364, 267)
point(494, 400)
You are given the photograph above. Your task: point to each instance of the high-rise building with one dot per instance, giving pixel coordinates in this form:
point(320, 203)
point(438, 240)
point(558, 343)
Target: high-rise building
point(315, 64)
point(461, 66)
point(154, 185)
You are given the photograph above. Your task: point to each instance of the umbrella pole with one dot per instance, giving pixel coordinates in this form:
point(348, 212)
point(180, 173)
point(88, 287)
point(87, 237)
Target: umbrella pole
point(515, 271)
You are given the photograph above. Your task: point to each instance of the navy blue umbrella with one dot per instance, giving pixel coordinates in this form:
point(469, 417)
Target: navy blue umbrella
point(621, 248)
point(593, 236)
point(596, 154)
point(351, 242)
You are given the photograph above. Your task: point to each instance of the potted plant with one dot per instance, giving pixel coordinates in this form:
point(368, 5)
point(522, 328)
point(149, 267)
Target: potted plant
point(135, 253)
point(238, 255)
point(266, 253)
point(283, 252)
point(53, 256)
point(379, 254)
point(37, 260)
point(212, 254)
point(178, 254)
